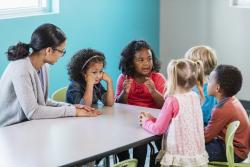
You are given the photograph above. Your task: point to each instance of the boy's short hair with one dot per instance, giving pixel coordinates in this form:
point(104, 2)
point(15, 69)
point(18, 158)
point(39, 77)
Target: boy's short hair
point(205, 54)
point(229, 78)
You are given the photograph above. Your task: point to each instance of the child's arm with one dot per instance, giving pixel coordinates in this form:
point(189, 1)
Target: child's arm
point(219, 120)
point(122, 89)
point(88, 94)
point(74, 93)
point(157, 96)
point(109, 95)
point(168, 111)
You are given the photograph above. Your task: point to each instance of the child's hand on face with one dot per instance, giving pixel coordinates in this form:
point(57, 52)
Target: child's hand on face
point(89, 78)
point(150, 85)
point(127, 84)
point(106, 77)
point(144, 116)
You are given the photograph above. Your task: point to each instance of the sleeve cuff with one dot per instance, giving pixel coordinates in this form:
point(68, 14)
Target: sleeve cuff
point(146, 122)
point(70, 111)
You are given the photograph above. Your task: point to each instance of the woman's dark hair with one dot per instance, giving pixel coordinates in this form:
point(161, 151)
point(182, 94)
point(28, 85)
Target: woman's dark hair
point(46, 35)
point(229, 78)
point(128, 54)
point(80, 62)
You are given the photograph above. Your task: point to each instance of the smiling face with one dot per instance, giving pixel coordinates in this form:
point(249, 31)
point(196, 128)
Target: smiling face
point(143, 62)
point(95, 70)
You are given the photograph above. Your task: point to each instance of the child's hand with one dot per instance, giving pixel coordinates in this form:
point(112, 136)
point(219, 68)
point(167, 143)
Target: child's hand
point(106, 77)
point(127, 84)
point(144, 116)
point(150, 85)
point(90, 78)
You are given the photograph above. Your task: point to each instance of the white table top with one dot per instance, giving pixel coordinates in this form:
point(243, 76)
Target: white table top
point(68, 141)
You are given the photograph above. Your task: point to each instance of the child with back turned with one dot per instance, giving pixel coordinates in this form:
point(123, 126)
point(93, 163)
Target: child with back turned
point(86, 71)
point(223, 83)
point(180, 119)
point(140, 84)
point(209, 59)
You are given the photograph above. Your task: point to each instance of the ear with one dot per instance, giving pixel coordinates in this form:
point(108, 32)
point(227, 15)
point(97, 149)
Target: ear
point(48, 51)
point(84, 75)
point(218, 88)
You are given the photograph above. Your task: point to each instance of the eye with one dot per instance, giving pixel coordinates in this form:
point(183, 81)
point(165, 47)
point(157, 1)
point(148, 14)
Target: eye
point(140, 60)
point(150, 58)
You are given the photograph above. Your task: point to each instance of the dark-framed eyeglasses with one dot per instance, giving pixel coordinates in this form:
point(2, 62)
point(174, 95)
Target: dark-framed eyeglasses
point(61, 51)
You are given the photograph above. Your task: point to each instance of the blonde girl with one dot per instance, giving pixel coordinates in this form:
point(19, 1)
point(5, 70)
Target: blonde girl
point(180, 119)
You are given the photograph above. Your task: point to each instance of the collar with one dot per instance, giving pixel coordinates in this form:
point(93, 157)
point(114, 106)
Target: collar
point(222, 102)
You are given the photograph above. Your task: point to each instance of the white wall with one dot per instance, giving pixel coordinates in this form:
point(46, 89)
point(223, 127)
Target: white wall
point(185, 23)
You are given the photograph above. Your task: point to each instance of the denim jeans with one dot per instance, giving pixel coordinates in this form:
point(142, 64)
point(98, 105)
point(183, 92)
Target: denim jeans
point(216, 150)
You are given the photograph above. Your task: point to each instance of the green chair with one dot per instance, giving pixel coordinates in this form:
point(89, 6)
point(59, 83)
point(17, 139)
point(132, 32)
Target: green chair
point(60, 94)
point(127, 163)
point(231, 129)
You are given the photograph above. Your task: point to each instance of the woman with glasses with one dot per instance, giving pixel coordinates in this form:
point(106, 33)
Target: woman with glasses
point(24, 83)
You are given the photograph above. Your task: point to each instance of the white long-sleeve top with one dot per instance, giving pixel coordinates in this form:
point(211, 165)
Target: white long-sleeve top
point(22, 97)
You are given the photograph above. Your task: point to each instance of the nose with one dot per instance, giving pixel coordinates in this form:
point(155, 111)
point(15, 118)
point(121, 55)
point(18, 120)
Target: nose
point(146, 62)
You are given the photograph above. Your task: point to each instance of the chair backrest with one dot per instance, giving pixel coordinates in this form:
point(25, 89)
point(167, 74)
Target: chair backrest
point(231, 129)
point(127, 163)
point(60, 94)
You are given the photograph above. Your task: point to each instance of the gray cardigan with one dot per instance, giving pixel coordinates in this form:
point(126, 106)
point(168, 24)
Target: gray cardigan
point(22, 97)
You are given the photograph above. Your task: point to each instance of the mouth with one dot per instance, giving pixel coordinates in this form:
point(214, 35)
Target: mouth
point(146, 69)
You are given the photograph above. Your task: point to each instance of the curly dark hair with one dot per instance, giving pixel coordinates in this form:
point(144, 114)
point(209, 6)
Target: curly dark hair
point(128, 54)
point(83, 58)
point(229, 78)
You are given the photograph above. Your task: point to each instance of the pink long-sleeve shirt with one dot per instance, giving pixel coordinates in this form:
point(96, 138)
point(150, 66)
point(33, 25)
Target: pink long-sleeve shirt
point(159, 125)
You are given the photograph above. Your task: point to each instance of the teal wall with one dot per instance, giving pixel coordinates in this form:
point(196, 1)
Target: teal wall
point(106, 25)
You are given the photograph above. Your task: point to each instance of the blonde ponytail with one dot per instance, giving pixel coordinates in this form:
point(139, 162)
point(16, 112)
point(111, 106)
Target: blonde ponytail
point(200, 78)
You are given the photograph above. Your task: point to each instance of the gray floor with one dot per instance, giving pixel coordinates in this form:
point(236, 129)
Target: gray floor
point(248, 159)
point(101, 164)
